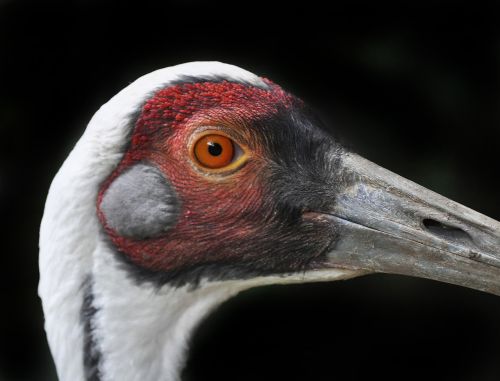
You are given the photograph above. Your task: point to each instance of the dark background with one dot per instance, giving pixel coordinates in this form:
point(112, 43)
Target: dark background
point(413, 87)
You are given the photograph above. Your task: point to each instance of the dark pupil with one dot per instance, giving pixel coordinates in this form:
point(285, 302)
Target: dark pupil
point(214, 149)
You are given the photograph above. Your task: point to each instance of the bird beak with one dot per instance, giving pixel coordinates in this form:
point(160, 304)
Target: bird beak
point(388, 224)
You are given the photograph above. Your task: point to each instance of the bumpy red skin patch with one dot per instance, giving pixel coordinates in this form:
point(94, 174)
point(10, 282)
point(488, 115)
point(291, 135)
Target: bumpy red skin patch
point(215, 209)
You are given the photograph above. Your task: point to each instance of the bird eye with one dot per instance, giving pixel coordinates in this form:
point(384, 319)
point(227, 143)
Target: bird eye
point(216, 151)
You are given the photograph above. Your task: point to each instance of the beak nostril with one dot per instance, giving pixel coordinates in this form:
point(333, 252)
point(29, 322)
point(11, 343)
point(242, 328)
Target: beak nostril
point(448, 232)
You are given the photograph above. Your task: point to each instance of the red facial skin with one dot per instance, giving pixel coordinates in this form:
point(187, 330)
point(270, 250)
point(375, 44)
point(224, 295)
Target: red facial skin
point(218, 210)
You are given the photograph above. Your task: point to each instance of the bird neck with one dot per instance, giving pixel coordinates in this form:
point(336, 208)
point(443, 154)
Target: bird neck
point(138, 332)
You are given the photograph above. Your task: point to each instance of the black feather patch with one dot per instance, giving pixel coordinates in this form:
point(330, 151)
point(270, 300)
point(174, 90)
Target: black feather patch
point(91, 353)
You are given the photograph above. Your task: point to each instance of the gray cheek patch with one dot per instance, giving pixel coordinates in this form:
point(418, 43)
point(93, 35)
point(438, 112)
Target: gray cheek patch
point(140, 203)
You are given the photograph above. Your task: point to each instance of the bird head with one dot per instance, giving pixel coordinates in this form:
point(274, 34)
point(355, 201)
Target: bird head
point(222, 180)
point(206, 174)
point(225, 179)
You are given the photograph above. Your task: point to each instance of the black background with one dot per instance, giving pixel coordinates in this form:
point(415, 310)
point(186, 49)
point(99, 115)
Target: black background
point(414, 87)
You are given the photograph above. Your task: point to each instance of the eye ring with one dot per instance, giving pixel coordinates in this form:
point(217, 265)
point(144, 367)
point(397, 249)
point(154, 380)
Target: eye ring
point(215, 151)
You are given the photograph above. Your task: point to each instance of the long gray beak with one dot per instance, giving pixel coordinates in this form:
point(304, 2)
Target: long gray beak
point(389, 224)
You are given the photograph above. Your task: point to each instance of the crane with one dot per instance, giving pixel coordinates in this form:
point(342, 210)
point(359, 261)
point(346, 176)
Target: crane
point(201, 180)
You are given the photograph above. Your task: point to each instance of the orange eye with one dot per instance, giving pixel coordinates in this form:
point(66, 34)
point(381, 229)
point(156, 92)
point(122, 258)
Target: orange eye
point(214, 151)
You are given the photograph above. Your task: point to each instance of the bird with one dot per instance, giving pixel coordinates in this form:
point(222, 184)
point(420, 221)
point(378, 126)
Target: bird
point(201, 180)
